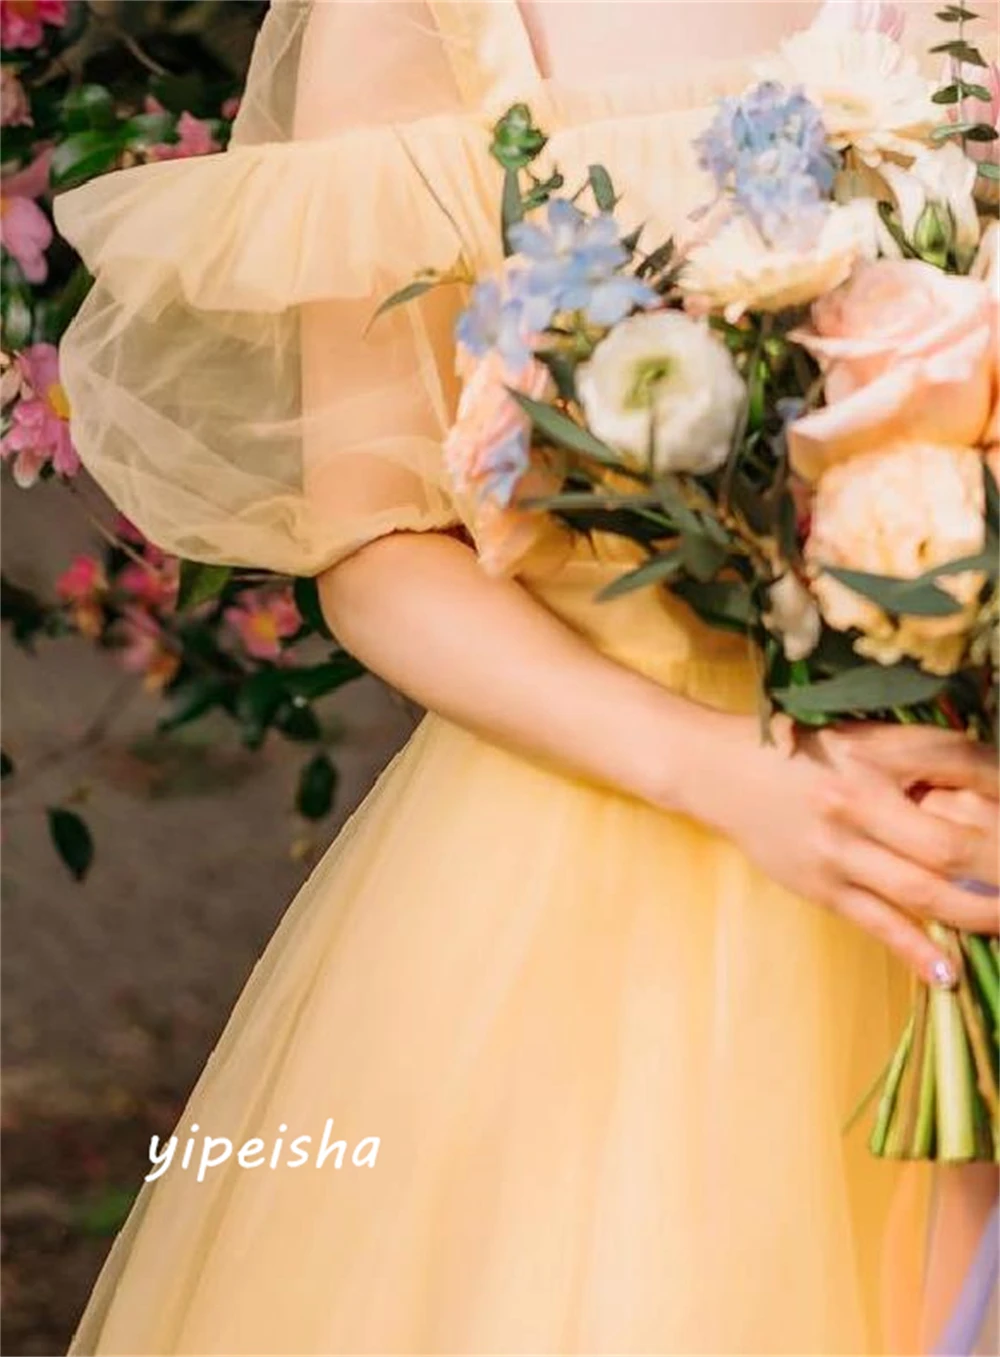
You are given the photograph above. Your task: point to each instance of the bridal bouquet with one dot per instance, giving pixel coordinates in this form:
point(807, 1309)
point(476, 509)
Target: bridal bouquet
point(793, 413)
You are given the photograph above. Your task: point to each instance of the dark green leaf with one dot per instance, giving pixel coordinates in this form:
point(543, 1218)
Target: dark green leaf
point(200, 582)
point(631, 241)
point(961, 51)
point(89, 106)
point(657, 261)
point(915, 598)
point(980, 132)
point(720, 603)
point(656, 571)
point(955, 14)
point(601, 187)
point(297, 721)
point(568, 500)
point(409, 293)
point(562, 368)
point(306, 594)
point(319, 679)
point(992, 499)
point(565, 432)
point(6, 764)
point(949, 94)
point(72, 840)
point(870, 687)
point(702, 557)
point(511, 208)
point(103, 1216)
point(971, 91)
point(257, 702)
point(317, 788)
point(18, 317)
point(81, 156)
point(146, 129)
point(192, 699)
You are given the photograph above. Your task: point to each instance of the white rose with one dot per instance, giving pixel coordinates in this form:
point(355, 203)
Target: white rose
point(870, 90)
point(945, 178)
point(663, 383)
point(792, 616)
point(736, 270)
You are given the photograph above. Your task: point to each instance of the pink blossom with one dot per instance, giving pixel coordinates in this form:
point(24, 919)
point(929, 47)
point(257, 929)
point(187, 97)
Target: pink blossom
point(864, 14)
point(195, 136)
point(21, 20)
point(39, 425)
point(82, 579)
point(26, 233)
point(15, 110)
point(262, 621)
point(230, 107)
point(144, 649)
point(154, 584)
point(32, 181)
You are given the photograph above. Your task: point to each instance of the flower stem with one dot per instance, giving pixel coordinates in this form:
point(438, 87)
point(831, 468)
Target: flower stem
point(923, 1131)
point(887, 1102)
point(955, 1089)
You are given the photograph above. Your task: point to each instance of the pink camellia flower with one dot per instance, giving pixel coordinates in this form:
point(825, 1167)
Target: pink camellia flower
point(15, 110)
point(25, 230)
point(21, 20)
point(907, 353)
point(154, 585)
point(263, 621)
point(872, 15)
point(194, 136)
point(39, 424)
point(82, 586)
point(144, 649)
point(25, 233)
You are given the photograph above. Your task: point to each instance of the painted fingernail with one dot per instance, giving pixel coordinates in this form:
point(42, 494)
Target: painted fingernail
point(944, 974)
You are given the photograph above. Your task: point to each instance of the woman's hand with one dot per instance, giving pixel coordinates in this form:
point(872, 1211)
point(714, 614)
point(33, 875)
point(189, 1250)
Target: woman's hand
point(827, 814)
point(979, 813)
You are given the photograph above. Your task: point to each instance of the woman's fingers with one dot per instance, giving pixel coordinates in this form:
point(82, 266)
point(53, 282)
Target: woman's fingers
point(875, 806)
point(920, 893)
point(904, 937)
point(978, 814)
point(914, 754)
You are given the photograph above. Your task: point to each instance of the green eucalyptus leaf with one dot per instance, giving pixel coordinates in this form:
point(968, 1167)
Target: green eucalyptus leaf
point(727, 604)
point(992, 500)
point(72, 839)
point(565, 432)
point(867, 688)
point(317, 788)
point(562, 369)
point(659, 570)
point(409, 293)
point(988, 170)
point(948, 94)
point(955, 14)
point(258, 701)
point(297, 721)
point(961, 51)
point(200, 582)
point(913, 598)
point(602, 188)
point(82, 155)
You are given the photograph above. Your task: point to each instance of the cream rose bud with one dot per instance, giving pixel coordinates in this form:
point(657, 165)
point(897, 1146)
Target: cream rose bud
point(792, 616)
point(900, 511)
point(663, 385)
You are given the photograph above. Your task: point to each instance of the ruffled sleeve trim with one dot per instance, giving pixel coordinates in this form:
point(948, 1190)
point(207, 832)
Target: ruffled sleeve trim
point(270, 226)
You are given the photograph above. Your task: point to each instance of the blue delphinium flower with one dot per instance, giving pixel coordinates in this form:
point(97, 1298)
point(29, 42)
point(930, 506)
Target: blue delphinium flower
point(505, 466)
point(574, 263)
point(768, 149)
point(495, 320)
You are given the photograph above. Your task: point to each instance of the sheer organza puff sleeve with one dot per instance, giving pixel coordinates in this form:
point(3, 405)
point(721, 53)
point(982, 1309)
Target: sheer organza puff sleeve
point(226, 387)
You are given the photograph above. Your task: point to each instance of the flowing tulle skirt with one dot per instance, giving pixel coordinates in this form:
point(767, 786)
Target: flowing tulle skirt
point(590, 1068)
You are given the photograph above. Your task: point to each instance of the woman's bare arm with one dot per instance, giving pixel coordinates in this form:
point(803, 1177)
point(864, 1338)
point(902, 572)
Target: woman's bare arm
point(836, 827)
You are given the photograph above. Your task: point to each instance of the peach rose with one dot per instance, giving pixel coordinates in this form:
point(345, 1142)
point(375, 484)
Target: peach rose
point(908, 354)
point(487, 455)
point(986, 268)
point(899, 512)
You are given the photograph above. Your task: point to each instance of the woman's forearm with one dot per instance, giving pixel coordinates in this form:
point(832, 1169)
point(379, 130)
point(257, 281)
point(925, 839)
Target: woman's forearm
point(418, 611)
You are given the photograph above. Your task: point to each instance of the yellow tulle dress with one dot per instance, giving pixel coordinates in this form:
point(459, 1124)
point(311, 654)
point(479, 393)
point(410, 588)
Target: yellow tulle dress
point(590, 1068)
